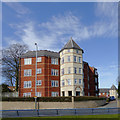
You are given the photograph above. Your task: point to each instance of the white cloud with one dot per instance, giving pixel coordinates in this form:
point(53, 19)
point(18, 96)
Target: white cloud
point(18, 8)
point(60, 28)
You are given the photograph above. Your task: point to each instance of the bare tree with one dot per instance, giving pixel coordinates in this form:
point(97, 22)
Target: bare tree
point(10, 63)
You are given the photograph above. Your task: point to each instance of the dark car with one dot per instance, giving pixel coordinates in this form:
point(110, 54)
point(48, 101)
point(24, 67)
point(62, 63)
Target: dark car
point(111, 98)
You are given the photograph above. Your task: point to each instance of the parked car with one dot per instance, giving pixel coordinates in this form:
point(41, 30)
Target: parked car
point(111, 98)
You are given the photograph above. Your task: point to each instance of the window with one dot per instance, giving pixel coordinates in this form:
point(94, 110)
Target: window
point(77, 51)
point(27, 94)
point(54, 61)
point(103, 93)
point(99, 93)
point(54, 72)
point(39, 82)
point(79, 59)
point(88, 86)
point(68, 58)
point(27, 72)
point(75, 59)
point(27, 61)
point(38, 94)
point(63, 82)
point(69, 70)
point(95, 80)
point(27, 84)
point(75, 81)
point(62, 60)
point(75, 70)
point(96, 87)
point(79, 70)
point(55, 94)
point(39, 59)
point(79, 81)
point(39, 71)
point(68, 50)
point(69, 82)
point(54, 83)
point(62, 71)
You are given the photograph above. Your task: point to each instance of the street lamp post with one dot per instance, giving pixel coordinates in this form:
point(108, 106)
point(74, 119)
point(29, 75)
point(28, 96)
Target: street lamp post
point(36, 79)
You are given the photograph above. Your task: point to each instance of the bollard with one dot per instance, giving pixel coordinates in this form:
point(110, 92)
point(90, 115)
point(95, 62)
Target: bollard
point(57, 112)
point(17, 113)
point(75, 111)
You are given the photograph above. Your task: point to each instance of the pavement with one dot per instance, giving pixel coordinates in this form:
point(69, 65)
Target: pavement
point(111, 104)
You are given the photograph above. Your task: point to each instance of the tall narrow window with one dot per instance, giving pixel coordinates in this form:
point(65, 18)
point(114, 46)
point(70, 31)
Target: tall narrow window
point(75, 70)
point(79, 70)
point(39, 71)
point(38, 94)
point(62, 71)
point(79, 81)
point(63, 82)
point(62, 60)
point(54, 72)
point(75, 59)
point(68, 58)
point(77, 51)
point(54, 83)
point(69, 70)
point(75, 81)
point(69, 81)
point(54, 61)
point(79, 59)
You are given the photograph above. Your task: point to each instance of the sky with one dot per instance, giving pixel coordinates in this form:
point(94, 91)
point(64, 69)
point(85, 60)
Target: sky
point(92, 25)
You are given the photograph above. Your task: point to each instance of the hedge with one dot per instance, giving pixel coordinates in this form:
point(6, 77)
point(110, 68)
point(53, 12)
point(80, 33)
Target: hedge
point(52, 99)
point(86, 98)
point(39, 99)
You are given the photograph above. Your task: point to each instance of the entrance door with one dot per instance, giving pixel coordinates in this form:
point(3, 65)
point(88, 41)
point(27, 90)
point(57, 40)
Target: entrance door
point(77, 93)
point(63, 93)
point(69, 93)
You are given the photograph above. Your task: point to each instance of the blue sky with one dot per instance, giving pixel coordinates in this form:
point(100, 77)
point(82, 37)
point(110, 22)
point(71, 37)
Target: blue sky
point(92, 25)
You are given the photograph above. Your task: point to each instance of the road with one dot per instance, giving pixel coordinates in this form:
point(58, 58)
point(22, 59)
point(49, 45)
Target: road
point(111, 104)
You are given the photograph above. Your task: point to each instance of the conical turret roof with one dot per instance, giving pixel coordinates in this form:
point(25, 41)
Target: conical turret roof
point(71, 45)
point(113, 87)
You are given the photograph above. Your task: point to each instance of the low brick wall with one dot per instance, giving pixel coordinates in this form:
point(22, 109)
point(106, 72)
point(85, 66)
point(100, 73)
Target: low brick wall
point(52, 105)
point(118, 102)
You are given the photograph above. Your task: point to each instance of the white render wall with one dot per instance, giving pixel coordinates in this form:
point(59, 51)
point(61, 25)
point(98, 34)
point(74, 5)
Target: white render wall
point(73, 87)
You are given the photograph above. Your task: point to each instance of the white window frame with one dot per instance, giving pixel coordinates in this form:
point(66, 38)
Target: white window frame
point(27, 61)
point(63, 83)
point(80, 81)
point(27, 94)
point(69, 70)
point(54, 72)
point(79, 59)
point(54, 94)
point(69, 81)
point(80, 71)
point(39, 59)
point(39, 82)
point(54, 83)
point(68, 58)
point(27, 84)
point(39, 71)
point(39, 94)
point(75, 70)
point(75, 81)
point(75, 58)
point(54, 61)
point(27, 72)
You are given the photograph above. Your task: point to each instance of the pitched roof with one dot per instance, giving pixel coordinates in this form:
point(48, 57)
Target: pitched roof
point(40, 53)
point(71, 45)
point(104, 90)
point(113, 87)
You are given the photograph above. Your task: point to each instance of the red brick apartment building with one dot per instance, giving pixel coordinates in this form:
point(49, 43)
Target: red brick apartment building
point(48, 74)
point(90, 80)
